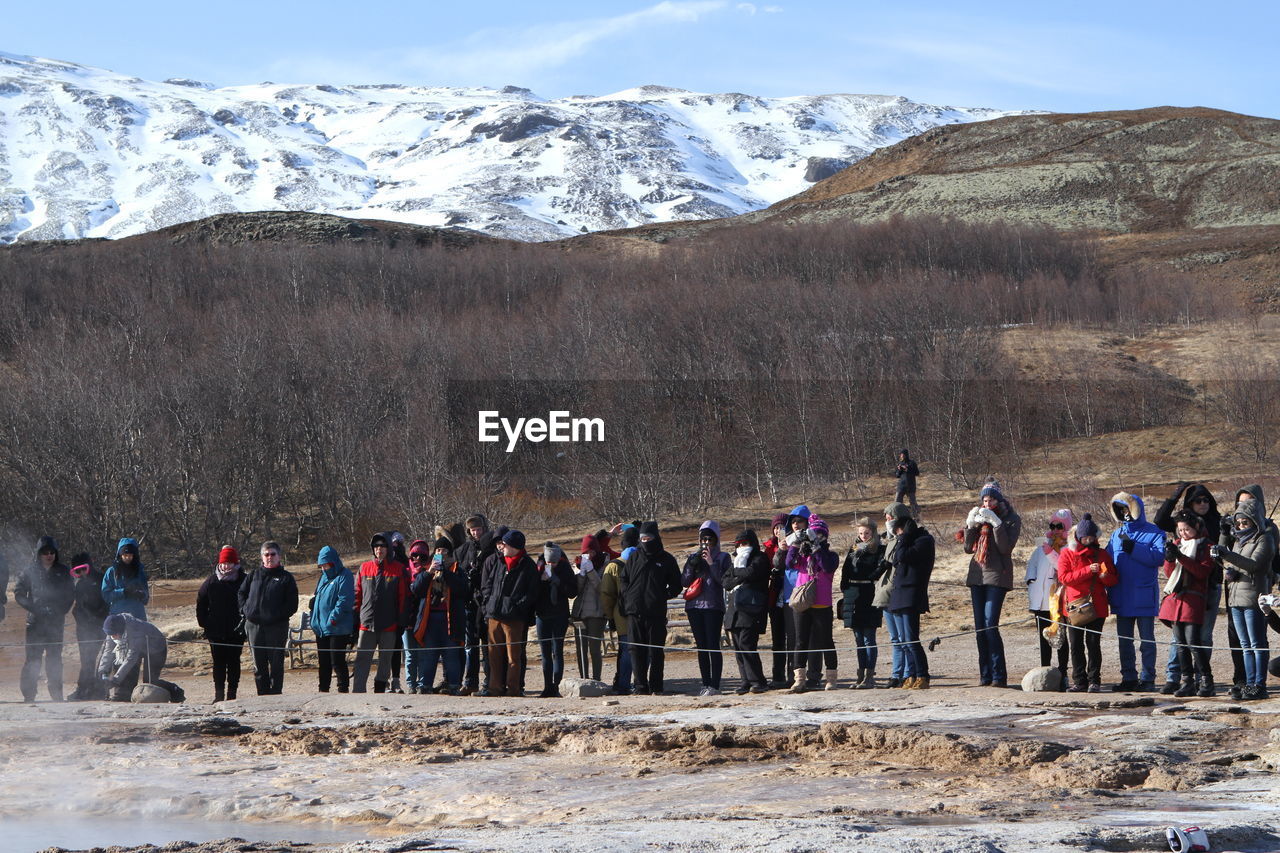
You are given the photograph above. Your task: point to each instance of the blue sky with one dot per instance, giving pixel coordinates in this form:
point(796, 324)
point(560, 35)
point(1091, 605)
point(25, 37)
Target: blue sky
point(1076, 55)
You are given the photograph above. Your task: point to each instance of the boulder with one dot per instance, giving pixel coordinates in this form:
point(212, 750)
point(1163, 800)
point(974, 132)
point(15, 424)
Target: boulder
point(583, 688)
point(1042, 679)
point(150, 694)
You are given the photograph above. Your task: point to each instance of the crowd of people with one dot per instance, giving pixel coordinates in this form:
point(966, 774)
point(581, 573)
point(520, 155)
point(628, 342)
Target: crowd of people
point(453, 614)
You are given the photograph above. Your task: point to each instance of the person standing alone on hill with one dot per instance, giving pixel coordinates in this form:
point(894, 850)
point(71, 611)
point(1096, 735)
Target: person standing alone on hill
point(907, 472)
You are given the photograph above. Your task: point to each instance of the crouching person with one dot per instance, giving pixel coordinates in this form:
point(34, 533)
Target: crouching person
point(134, 650)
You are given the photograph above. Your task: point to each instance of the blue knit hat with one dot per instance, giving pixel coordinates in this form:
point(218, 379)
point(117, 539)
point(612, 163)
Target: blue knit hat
point(514, 538)
point(113, 625)
point(1086, 527)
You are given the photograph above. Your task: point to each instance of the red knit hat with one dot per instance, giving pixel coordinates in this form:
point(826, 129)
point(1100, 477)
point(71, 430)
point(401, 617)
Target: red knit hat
point(228, 556)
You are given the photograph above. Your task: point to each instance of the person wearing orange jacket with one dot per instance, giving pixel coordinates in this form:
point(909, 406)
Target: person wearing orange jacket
point(1086, 571)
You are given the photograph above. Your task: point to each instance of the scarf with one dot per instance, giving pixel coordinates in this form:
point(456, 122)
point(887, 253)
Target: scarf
point(982, 550)
point(227, 574)
point(741, 556)
point(1188, 547)
point(512, 560)
point(1055, 541)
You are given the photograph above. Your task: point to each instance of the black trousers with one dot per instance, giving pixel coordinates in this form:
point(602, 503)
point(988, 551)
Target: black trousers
point(782, 631)
point(226, 653)
point(647, 663)
point(1191, 660)
point(88, 685)
point(44, 644)
point(746, 641)
point(813, 631)
point(1237, 656)
point(267, 642)
point(1086, 652)
point(1043, 621)
point(333, 661)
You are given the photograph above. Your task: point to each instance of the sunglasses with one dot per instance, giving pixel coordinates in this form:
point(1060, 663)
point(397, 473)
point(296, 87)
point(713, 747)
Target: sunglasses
point(1056, 526)
point(418, 557)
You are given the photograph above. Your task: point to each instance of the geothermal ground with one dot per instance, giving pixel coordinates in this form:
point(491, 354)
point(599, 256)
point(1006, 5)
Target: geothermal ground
point(955, 768)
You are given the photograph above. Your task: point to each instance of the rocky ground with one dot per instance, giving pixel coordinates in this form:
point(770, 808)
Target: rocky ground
point(957, 768)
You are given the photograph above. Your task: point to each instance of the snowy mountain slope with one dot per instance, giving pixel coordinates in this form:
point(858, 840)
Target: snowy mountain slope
point(89, 153)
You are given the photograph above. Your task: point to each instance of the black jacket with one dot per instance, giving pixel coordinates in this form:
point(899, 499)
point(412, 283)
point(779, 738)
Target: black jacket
point(47, 596)
point(749, 581)
point(218, 608)
point(453, 590)
point(91, 607)
point(648, 582)
point(1164, 515)
point(510, 596)
point(913, 564)
point(858, 578)
point(472, 556)
point(554, 594)
point(268, 597)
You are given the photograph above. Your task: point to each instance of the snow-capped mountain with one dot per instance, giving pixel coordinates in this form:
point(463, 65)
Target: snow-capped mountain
point(90, 153)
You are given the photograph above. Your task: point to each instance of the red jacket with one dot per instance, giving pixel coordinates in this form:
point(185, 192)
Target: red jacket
point(1078, 581)
point(381, 594)
point(1187, 605)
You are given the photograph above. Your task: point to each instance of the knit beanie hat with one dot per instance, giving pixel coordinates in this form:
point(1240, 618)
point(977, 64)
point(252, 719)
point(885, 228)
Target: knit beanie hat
point(991, 490)
point(443, 542)
point(552, 553)
point(898, 511)
point(779, 520)
point(630, 536)
point(514, 538)
point(1086, 527)
point(228, 555)
point(378, 539)
point(114, 624)
point(817, 525)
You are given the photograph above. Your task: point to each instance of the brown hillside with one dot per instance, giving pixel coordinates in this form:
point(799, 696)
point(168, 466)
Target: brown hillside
point(1158, 169)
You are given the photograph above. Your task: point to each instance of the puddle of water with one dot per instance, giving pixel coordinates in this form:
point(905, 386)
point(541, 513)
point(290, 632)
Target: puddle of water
point(26, 835)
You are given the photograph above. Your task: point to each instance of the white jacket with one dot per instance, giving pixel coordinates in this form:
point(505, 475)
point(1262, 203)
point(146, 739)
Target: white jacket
point(1042, 573)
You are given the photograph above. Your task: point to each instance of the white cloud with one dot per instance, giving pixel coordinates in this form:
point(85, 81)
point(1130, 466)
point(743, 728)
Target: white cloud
point(501, 55)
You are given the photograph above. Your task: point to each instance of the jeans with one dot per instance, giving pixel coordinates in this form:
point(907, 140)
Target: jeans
point(915, 662)
point(551, 634)
point(868, 652)
point(1251, 627)
point(1198, 635)
point(437, 646)
point(987, 601)
point(413, 660)
point(706, 625)
point(898, 668)
point(1147, 632)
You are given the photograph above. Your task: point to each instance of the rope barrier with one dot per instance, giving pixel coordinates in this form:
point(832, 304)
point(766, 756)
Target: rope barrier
point(932, 643)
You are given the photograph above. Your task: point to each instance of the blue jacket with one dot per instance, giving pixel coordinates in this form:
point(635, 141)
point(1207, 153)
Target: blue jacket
point(126, 594)
point(334, 614)
point(1137, 592)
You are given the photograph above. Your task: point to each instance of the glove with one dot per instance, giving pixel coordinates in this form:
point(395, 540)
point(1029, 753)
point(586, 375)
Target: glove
point(1225, 524)
point(1170, 551)
point(987, 516)
point(1232, 576)
point(1178, 490)
point(1126, 544)
point(1216, 551)
point(972, 519)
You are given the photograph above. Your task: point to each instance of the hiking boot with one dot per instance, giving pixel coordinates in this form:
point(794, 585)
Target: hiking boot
point(893, 682)
point(909, 683)
point(743, 690)
point(1146, 686)
point(1207, 690)
point(1170, 688)
point(1237, 691)
point(1188, 688)
point(1130, 686)
point(759, 688)
point(219, 693)
point(1095, 687)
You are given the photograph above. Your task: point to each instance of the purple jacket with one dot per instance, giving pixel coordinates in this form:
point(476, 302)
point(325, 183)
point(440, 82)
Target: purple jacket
point(821, 564)
point(712, 574)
